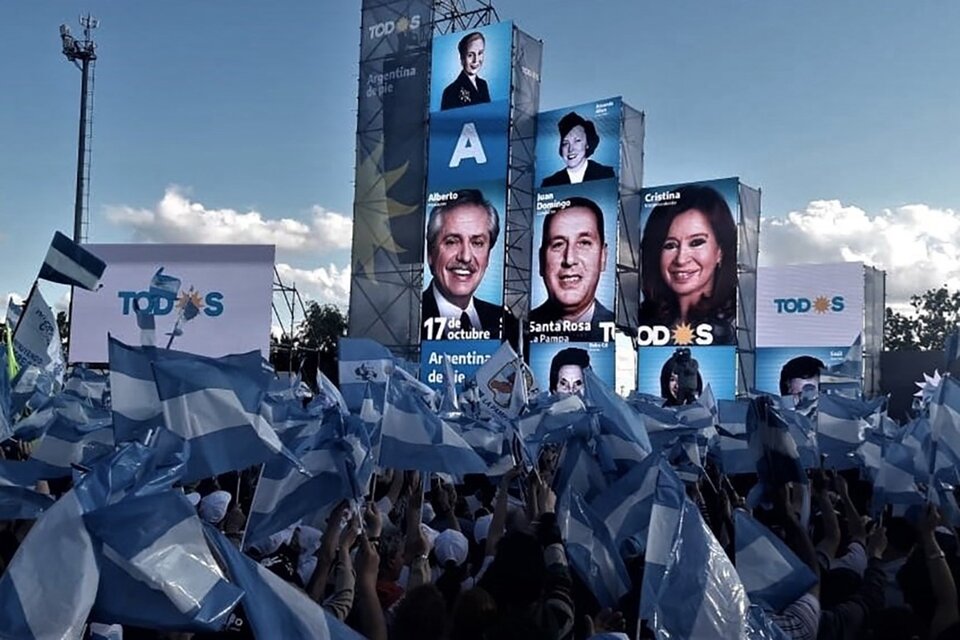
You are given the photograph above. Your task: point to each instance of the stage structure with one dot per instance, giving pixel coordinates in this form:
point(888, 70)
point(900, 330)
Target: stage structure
point(388, 212)
point(578, 234)
point(698, 257)
point(811, 315)
point(484, 98)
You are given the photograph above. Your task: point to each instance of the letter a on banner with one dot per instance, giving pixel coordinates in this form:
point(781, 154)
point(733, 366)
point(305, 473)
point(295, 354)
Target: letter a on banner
point(468, 146)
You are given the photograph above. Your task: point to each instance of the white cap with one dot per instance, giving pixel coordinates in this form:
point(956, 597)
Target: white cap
point(451, 545)
point(482, 527)
point(213, 507)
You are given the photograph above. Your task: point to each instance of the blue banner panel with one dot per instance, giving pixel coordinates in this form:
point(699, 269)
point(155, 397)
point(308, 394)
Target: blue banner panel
point(463, 265)
point(573, 279)
point(469, 144)
point(780, 367)
point(717, 366)
point(466, 357)
point(471, 68)
point(578, 144)
point(556, 366)
point(688, 247)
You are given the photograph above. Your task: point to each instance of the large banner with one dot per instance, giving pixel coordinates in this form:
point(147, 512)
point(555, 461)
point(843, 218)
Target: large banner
point(808, 316)
point(809, 305)
point(210, 300)
point(573, 275)
point(463, 271)
point(688, 292)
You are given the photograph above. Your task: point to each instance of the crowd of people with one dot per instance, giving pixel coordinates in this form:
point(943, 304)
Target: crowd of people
point(425, 559)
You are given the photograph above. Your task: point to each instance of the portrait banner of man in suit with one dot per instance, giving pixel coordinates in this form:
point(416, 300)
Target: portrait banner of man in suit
point(463, 296)
point(573, 284)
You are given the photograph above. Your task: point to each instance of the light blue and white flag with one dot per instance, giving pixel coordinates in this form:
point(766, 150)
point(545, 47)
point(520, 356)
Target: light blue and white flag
point(36, 341)
point(6, 398)
point(215, 406)
point(951, 348)
point(772, 574)
point(700, 594)
point(592, 551)
point(72, 440)
point(363, 361)
point(625, 506)
point(273, 607)
point(156, 569)
point(49, 587)
point(945, 420)
point(841, 426)
point(895, 483)
point(87, 384)
point(774, 449)
point(622, 435)
point(69, 263)
point(333, 458)
point(14, 311)
point(18, 499)
point(413, 437)
point(135, 402)
point(668, 501)
point(329, 395)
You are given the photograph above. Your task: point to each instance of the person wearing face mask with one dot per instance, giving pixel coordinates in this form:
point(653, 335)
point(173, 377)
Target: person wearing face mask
point(572, 258)
point(461, 232)
point(566, 371)
point(689, 264)
point(469, 88)
point(578, 141)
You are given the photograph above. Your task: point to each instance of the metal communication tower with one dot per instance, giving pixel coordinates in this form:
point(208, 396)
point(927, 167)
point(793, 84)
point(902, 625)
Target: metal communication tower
point(83, 54)
point(450, 16)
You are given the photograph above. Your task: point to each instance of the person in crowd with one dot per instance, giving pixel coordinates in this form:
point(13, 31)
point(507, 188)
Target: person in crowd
point(578, 141)
point(798, 373)
point(566, 371)
point(468, 88)
point(572, 259)
point(689, 264)
point(461, 233)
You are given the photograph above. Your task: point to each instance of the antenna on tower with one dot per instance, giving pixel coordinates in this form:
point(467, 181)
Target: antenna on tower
point(83, 54)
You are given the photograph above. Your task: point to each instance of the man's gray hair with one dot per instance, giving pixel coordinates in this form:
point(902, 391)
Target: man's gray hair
point(463, 197)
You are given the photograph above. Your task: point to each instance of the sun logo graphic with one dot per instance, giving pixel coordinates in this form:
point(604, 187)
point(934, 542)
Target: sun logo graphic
point(821, 304)
point(683, 334)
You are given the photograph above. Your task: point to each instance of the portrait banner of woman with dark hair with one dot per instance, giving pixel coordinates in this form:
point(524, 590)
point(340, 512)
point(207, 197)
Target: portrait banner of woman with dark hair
point(679, 375)
point(558, 366)
point(688, 275)
point(587, 140)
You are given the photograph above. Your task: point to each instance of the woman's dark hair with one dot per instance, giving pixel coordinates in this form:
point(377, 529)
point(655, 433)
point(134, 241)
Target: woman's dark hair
point(573, 119)
point(474, 613)
point(564, 357)
point(450, 580)
point(517, 574)
point(660, 304)
point(670, 367)
point(421, 615)
point(466, 40)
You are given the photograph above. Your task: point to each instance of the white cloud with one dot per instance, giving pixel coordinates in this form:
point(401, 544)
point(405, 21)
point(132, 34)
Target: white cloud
point(917, 245)
point(323, 284)
point(176, 218)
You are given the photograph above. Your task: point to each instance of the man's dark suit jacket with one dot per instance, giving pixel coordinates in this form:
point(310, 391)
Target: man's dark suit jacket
point(489, 313)
point(462, 93)
point(595, 171)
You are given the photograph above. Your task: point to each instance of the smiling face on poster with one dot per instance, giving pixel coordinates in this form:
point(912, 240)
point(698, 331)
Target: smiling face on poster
point(578, 144)
point(463, 266)
point(573, 283)
point(471, 68)
point(688, 247)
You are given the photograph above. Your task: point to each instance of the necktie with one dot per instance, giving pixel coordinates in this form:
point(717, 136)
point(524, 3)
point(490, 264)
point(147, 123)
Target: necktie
point(465, 323)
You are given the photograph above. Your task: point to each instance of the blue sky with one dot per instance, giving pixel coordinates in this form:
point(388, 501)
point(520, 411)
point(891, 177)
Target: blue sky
point(234, 121)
